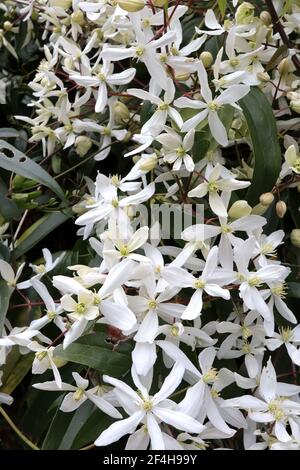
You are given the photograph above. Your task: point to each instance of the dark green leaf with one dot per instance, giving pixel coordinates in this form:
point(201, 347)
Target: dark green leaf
point(5, 293)
point(262, 128)
point(11, 159)
point(38, 231)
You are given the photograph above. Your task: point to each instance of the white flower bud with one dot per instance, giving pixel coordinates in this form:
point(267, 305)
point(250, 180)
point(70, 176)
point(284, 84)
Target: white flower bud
point(266, 199)
point(149, 163)
point(295, 106)
point(7, 25)
point(259, 209)
point(78, 18)
point(182, 77)
point(295, 237)
point(159, 3)
point(283, 66)
point(265, 18)
point(206, 58)
point(281, 209)
point(61, 3)
point(121, 112)
point(131, 6)
point(82, 145)
point(239, 209)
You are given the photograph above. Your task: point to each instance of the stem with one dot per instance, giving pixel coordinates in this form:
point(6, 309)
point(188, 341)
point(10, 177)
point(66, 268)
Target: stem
point(280, 29)
point(17, 430)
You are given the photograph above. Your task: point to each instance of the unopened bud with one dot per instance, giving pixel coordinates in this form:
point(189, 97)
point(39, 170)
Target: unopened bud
point(266, 199)
point(131, 6)
point(239, 209)
point(149, 163)
point(206, 58)
point(281, 209)
point(61, 3)
point(259, 209)
point(182, 77)
point(283, 66)
point(295, 106)
point(82, 145)
point(295, 237)
point(263, 76)
point(265, 18)
point(78, 17)
point(159, 3)
point(7, 25)
point(121, 112)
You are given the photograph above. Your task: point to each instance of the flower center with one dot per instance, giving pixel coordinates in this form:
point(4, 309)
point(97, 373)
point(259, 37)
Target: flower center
point(51, 315)
point(40, 355)
point(163, 107)
point(279, 290)
point(254, 282)
point(139, 51)
point(78, 394)
point(152, 304)
point(213, 106)
point(80, 308)
point(41, 268)
point(213, 186)
point(199, 284)
point(296, 165)
point(180, 152)
point(210, 376)
point(246, 332)
point(147, 405)
point(115, 203)
point(124, 250)
point(286, 334)
point(275, 408)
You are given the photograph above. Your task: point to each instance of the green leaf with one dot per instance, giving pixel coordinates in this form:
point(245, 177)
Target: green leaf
point(11, 159)
point(262, 128)
point(8, 209)
point(39, 230)
point(222, 4)
point(5, 293)
point(22, 367)
point(294, 289)
point(93, 351)
point(96, 357)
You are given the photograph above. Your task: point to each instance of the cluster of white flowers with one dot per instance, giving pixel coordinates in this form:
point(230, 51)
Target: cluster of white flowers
point(158, 294)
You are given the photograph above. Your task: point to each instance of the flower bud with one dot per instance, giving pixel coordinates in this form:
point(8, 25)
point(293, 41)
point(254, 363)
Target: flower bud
point(281, 209)
point(265, 18)
point(182, 77)
point(82, 145)
point(266, 199)
point(295, 106)
point(239, 209)
point(259, 209)
point(78, 18)
point(149, 163)
point(206, 58)
point(263, 76)
point(159, 3)
point(61, 3)
point(121, 112)
point(7, 25)
point(283, 66)
point(295, 237)
point(131, 6)
point(244, 13)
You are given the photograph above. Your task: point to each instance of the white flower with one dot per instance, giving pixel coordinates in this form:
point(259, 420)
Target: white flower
point(78, 395)
point(175, 149)
point(210, 282)
point(271, 407)
point(156, 123)
point(150, 410)
point(210, 106)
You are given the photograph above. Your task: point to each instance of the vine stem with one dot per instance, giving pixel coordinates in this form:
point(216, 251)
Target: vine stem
point(17, 430)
